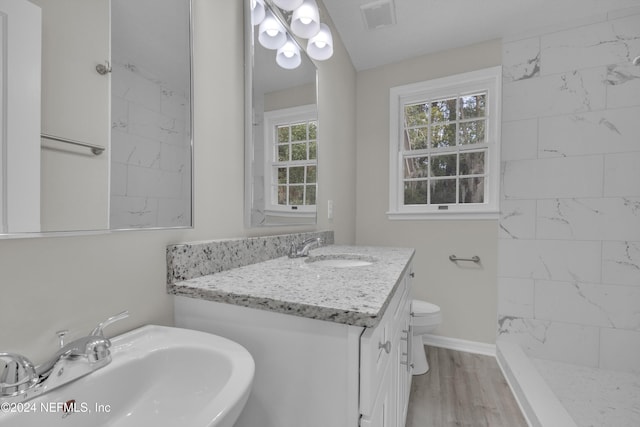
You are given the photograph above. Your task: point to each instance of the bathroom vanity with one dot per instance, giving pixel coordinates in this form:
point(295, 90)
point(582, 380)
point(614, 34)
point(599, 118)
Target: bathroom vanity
point(330, 334)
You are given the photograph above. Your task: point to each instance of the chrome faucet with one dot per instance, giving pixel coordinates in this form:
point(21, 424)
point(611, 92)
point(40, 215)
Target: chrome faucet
point(19, 380)
point(93, 347)
point(302, 249)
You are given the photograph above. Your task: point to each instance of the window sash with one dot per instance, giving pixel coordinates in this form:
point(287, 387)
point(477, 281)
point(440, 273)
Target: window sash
point(428, 93)
point(273, 186)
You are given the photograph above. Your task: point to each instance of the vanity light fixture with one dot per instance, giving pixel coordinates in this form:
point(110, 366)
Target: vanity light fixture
point(257, 11)
point(305, 21)
point(271, 33)
point(320, 46)
point(288, 56)
point(288, 4)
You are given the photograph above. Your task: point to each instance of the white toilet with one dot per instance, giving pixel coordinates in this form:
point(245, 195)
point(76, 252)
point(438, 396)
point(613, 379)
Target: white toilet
point(424, 319)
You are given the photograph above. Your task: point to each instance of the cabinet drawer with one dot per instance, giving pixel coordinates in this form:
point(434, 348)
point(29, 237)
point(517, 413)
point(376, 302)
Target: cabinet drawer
point(376, 347)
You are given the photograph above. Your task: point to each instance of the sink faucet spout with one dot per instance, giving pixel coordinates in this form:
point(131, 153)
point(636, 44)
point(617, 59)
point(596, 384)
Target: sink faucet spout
point(302, 249)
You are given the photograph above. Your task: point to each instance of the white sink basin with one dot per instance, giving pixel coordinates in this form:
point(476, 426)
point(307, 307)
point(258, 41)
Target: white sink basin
point(159, 376)
point(340, 261)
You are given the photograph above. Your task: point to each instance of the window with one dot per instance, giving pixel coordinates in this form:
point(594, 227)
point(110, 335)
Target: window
point(445, 146)
point(291, 161)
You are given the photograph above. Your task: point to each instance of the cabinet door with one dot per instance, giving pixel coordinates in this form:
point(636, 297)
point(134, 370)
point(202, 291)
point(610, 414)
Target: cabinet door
point(405, 362)
point(384, 408)
point(377, 346)
point(404, 372)
point(385, 378)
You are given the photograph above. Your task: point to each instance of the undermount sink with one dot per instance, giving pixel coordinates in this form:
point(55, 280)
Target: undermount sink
point(159, 376)
point(340, 260)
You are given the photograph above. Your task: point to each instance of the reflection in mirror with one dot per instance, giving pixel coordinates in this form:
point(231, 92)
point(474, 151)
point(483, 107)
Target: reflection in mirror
point(150, 114)
point(115, 75)
point(281, 125)
point(74, 190)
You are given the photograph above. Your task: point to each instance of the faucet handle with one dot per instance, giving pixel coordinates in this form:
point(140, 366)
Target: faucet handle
point(61, 335)
point(99, 330)
point(292, 250)
point(17, 374)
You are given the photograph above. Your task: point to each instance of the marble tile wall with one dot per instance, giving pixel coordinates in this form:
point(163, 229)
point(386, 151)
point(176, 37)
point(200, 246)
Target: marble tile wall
point(150, 151)
point(569, 242)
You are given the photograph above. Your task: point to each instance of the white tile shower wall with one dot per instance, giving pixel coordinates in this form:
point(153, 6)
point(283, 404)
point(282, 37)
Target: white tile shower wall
point(150, 179)
point(569, 242)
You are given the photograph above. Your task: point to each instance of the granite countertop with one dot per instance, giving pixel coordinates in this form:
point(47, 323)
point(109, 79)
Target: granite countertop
point(354, 296)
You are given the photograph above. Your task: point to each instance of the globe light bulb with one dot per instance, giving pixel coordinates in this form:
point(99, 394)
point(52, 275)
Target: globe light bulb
point(288, 4)
point(271, 33)
point(305, 20)
point(258, 11)
point(288, 55)
point(320, 46)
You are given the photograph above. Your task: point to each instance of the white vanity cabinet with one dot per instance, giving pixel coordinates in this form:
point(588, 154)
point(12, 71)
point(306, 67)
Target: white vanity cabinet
point(315, 367)
point(385, 364)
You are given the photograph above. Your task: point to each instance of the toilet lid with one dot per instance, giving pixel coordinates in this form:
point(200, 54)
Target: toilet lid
point(423, 308)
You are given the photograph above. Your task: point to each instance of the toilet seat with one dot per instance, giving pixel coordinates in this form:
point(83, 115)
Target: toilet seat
point(421, 308)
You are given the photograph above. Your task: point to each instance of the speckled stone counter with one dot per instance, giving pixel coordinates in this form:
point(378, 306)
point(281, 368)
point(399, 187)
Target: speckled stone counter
point(354, 295)
point(189, 260)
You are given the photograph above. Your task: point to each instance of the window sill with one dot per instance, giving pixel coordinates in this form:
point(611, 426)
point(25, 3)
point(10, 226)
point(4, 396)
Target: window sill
point(452, 216)
point(290, 213)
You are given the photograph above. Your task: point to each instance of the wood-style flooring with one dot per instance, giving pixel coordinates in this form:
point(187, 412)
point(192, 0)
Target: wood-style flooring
point(462, 389)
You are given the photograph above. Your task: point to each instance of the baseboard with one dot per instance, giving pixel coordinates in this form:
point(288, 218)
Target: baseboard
point(460, 345)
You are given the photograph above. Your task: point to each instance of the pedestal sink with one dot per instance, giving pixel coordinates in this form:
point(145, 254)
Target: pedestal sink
point(159, 376)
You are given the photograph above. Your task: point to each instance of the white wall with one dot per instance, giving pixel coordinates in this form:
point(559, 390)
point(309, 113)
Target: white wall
point(20, 60)
point(467, 295)
point(569, 247)
point(54, 283)
point(75, 105)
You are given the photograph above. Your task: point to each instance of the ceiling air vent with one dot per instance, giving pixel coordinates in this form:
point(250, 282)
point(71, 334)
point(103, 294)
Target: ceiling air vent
point(378, 14)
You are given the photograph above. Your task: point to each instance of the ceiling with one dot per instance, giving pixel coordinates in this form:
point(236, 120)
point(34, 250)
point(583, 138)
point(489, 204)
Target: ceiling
point(427, 26)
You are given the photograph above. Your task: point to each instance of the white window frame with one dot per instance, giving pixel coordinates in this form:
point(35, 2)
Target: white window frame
point(489, 80)
point(271, 120)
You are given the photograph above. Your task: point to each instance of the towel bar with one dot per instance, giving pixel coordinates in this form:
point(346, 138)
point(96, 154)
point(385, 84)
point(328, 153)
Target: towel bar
point(474, 258)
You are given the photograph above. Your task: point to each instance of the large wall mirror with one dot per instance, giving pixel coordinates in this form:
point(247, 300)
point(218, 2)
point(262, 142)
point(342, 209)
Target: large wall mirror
point(281, 120)
point(115, 143)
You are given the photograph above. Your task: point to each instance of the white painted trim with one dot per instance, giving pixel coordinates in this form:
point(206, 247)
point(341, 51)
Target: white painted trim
point(271, 119)
point(460, 345)
point(353, 369)
point(489, 79)
point(291, 214)
point(410, 216)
